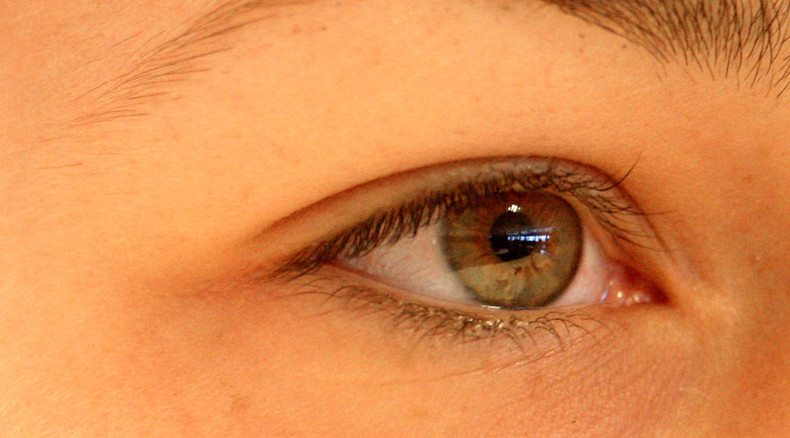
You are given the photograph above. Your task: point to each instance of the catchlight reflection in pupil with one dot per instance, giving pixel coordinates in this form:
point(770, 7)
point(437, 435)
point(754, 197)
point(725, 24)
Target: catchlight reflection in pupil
point(515, 251)
point(514, 237)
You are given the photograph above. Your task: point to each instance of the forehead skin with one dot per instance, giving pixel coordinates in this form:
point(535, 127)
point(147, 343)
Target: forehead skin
point(122, 196)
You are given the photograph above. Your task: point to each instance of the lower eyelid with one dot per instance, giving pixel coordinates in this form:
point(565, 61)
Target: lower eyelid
point(526, 334)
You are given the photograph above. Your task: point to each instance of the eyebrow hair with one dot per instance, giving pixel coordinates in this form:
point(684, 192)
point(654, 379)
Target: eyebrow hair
point(747, 38)
point(174, 60)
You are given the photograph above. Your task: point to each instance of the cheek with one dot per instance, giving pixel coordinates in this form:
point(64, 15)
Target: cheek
point(298, 372)
point(254, 363)
point(634, 382)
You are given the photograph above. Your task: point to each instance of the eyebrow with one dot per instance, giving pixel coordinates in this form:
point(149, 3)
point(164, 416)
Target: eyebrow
point(743, 38)
point(724, 38)
point(157, 68)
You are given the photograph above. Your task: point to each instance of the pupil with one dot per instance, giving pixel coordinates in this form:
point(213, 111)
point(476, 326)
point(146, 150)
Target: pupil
point(513, 236)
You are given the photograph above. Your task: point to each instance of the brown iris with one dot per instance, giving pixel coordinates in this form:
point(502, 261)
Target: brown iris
point(518, 250)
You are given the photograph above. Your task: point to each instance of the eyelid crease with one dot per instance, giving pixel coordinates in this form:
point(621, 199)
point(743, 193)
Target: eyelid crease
point(610, 207)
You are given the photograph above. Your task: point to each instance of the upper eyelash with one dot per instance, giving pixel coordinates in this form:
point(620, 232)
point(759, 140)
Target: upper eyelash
point(591, 188)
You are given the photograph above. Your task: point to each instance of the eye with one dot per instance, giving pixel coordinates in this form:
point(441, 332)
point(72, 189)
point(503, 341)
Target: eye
point(512, 235)
point(513, 250)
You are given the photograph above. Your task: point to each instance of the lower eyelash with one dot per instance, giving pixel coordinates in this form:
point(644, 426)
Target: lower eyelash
point(562, 328)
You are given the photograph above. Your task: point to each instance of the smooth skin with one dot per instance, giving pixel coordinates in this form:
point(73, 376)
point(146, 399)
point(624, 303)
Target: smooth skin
point(121, 239)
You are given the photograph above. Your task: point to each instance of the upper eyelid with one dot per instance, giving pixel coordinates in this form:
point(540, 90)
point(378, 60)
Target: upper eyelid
point(486, 177)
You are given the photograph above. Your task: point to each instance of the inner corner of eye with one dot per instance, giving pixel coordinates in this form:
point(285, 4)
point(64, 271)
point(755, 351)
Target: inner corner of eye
point(516, 250)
